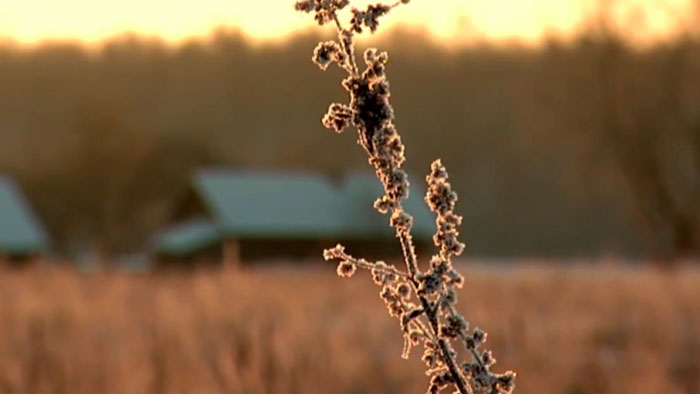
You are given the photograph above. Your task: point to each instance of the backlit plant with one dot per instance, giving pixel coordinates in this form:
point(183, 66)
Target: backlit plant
point(423, 302)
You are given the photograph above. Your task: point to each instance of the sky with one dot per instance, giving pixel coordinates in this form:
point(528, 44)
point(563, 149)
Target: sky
point(32, 21)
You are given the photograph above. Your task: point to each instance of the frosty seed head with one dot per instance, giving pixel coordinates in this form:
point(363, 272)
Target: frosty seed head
point(434, 319)
point(346, 268)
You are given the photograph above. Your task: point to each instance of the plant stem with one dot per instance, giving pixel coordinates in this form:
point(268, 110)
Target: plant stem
point(348, 52)
point(431, 313)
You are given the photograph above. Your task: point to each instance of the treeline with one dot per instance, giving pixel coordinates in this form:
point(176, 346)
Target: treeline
point(584, 148)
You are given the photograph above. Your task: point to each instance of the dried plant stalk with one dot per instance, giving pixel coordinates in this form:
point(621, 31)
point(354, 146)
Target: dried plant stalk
point(423, 302)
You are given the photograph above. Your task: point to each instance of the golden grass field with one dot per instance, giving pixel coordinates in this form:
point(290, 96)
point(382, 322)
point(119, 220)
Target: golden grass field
point(285, 330)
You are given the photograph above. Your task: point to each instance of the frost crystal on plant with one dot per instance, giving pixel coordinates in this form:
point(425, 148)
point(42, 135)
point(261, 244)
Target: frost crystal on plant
point(423, 302)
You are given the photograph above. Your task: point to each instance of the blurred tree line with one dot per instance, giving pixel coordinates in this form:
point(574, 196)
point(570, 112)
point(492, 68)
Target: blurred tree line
point(581, 148)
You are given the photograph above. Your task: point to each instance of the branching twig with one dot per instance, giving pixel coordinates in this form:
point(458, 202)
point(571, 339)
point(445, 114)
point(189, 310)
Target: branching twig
point(370, 112)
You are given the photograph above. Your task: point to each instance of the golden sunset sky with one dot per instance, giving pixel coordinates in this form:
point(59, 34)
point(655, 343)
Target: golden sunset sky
point(31, 21)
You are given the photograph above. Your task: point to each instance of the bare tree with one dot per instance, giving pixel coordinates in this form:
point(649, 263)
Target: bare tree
point(648, 105)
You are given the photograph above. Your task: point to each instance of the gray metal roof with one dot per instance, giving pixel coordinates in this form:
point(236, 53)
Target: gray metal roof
point(187, 237)
point(269, 204)
point(20, 230)
point(283, 205)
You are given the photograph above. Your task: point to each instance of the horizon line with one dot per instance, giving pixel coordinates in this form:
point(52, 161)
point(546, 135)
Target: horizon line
point(455, 40)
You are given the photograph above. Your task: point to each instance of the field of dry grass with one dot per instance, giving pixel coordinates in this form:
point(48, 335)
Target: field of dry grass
point(284, 330)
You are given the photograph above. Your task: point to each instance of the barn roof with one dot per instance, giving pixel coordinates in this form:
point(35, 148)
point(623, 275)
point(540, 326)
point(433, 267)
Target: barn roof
point(20, 230)
point(284, 205)
point(269, 204)
point(183, 238)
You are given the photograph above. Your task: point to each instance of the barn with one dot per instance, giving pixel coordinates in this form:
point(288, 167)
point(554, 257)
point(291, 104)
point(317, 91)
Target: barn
point(230, 215)
point(22, 236)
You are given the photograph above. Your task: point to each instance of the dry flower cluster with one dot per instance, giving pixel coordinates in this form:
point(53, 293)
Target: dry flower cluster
point(433, 318)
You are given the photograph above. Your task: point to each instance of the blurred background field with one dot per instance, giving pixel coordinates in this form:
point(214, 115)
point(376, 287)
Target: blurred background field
point(302, 330)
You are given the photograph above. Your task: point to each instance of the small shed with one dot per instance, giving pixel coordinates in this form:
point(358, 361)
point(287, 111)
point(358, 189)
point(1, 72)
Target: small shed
point(227, 215)
point(22, 236)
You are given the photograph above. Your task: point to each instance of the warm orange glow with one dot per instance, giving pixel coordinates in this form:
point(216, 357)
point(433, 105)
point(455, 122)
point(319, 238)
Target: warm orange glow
point(29, 21)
